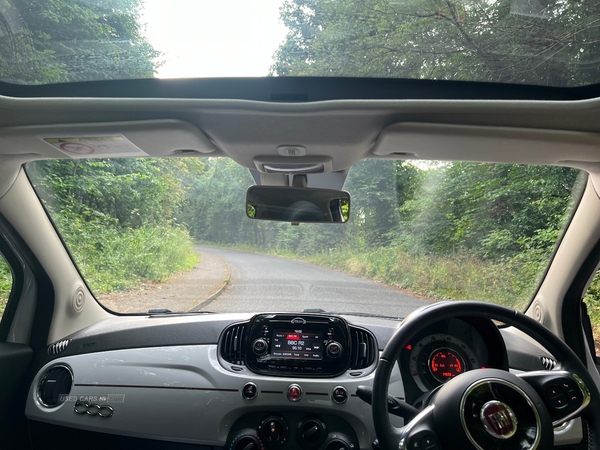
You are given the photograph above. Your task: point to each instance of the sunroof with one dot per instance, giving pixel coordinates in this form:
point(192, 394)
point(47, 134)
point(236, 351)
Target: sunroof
point(532, 42)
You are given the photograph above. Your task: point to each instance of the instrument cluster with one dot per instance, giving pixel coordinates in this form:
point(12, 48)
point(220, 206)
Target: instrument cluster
point(447, 349)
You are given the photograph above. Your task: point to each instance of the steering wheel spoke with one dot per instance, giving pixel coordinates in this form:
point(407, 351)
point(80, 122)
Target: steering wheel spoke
point(419, 434)
point(565, 394)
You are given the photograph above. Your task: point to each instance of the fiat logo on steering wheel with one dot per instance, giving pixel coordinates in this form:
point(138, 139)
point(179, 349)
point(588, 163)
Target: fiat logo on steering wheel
point(498, 420)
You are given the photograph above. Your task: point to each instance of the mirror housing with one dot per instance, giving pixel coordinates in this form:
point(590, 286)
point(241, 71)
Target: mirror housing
point(297, 204)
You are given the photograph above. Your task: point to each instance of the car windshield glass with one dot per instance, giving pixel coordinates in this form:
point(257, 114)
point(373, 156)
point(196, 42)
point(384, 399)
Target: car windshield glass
point(536, 42)
point(172, 233)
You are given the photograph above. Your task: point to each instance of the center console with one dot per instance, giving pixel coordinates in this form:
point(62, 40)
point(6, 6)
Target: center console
point(290, 344)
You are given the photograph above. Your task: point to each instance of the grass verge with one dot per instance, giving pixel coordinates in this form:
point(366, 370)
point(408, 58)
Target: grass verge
point(114, 259)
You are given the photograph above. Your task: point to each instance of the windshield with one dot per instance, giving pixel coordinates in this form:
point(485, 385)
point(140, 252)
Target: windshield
point(172, 233)
point(536, 42)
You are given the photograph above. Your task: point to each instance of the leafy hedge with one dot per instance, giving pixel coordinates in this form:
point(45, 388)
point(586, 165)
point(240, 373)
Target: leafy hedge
point(117, 217)
point(115, 259)
point(460, 276)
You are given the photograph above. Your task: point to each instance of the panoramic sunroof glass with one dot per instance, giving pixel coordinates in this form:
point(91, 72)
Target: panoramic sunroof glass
point(535, 42)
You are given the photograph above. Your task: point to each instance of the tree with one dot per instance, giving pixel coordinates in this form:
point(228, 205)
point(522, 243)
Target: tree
point(52, 41)
point(129, 192)
point(492, 210)
point(549, 43)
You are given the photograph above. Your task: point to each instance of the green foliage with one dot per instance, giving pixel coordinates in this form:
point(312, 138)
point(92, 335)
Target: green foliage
point(215, 202)
point(495, 210)
point(460, 276)
point(5, 284)
point(118, 216)
point(114, 258)
point(133, 191)
point(500, 41)
point(52, 41)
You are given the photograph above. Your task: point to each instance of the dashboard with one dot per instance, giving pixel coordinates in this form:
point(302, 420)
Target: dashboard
point(248, 382)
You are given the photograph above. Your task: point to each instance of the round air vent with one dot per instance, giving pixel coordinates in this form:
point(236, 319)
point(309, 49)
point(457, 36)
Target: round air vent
point(55, 383)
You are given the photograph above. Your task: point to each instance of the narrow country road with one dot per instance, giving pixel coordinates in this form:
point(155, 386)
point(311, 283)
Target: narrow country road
point(268, 283)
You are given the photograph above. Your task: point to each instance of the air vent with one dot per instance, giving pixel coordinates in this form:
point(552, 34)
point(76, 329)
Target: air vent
point(364, 348)
point(57, 381)
point(232, 344)
point(57, 347)
point(548, 363)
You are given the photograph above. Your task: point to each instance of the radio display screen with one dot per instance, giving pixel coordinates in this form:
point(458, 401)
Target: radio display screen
point(297, 344)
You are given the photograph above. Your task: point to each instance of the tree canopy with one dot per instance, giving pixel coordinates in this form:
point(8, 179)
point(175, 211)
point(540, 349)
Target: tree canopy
point(55, 41)
point(546, 42)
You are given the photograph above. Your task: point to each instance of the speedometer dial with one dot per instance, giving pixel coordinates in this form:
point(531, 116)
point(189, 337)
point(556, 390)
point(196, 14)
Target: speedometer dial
point(438, 358)
point(445, 364)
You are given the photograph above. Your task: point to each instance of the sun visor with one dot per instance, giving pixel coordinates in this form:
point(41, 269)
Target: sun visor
point(105, 140)
point(487, 144)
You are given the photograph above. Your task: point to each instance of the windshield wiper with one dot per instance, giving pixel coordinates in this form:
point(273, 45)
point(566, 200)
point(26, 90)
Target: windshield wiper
point(168, 312)
point(358, 314)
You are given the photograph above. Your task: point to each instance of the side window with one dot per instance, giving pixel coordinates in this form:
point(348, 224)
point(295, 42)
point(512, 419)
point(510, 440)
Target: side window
point(592, 301)
point(5, 284)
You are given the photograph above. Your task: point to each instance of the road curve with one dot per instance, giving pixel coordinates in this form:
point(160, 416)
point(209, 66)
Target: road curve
point(262, 283)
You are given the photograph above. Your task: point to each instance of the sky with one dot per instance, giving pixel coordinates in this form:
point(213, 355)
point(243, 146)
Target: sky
point(219, 38)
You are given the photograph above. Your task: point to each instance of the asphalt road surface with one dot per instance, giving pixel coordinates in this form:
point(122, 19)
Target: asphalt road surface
point(266, 283)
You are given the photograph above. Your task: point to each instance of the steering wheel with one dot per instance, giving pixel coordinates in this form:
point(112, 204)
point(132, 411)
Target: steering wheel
point(487, 409)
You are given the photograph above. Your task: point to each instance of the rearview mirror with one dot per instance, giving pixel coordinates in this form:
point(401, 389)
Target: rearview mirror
point(297, 204)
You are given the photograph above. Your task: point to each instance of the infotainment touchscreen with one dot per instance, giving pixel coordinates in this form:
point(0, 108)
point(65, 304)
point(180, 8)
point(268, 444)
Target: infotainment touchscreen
point(297, 344)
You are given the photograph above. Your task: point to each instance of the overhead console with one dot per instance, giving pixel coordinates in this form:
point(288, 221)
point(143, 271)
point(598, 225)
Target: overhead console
point(306, 345)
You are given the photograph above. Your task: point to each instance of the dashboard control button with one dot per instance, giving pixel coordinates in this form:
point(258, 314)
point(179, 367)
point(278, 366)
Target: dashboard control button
point(415, 444)
point(560, 394)
point(246, 442)
point(311, 431)
point(273, 430)
point(429, 442)
point(294, 392)
point(559, 401)
point(259, 346)
point(553, 391)
point(339, 395)
point(334, 349)
point(249, 391)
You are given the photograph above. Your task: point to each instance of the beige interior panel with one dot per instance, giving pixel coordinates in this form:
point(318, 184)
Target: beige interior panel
point(488, 144)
